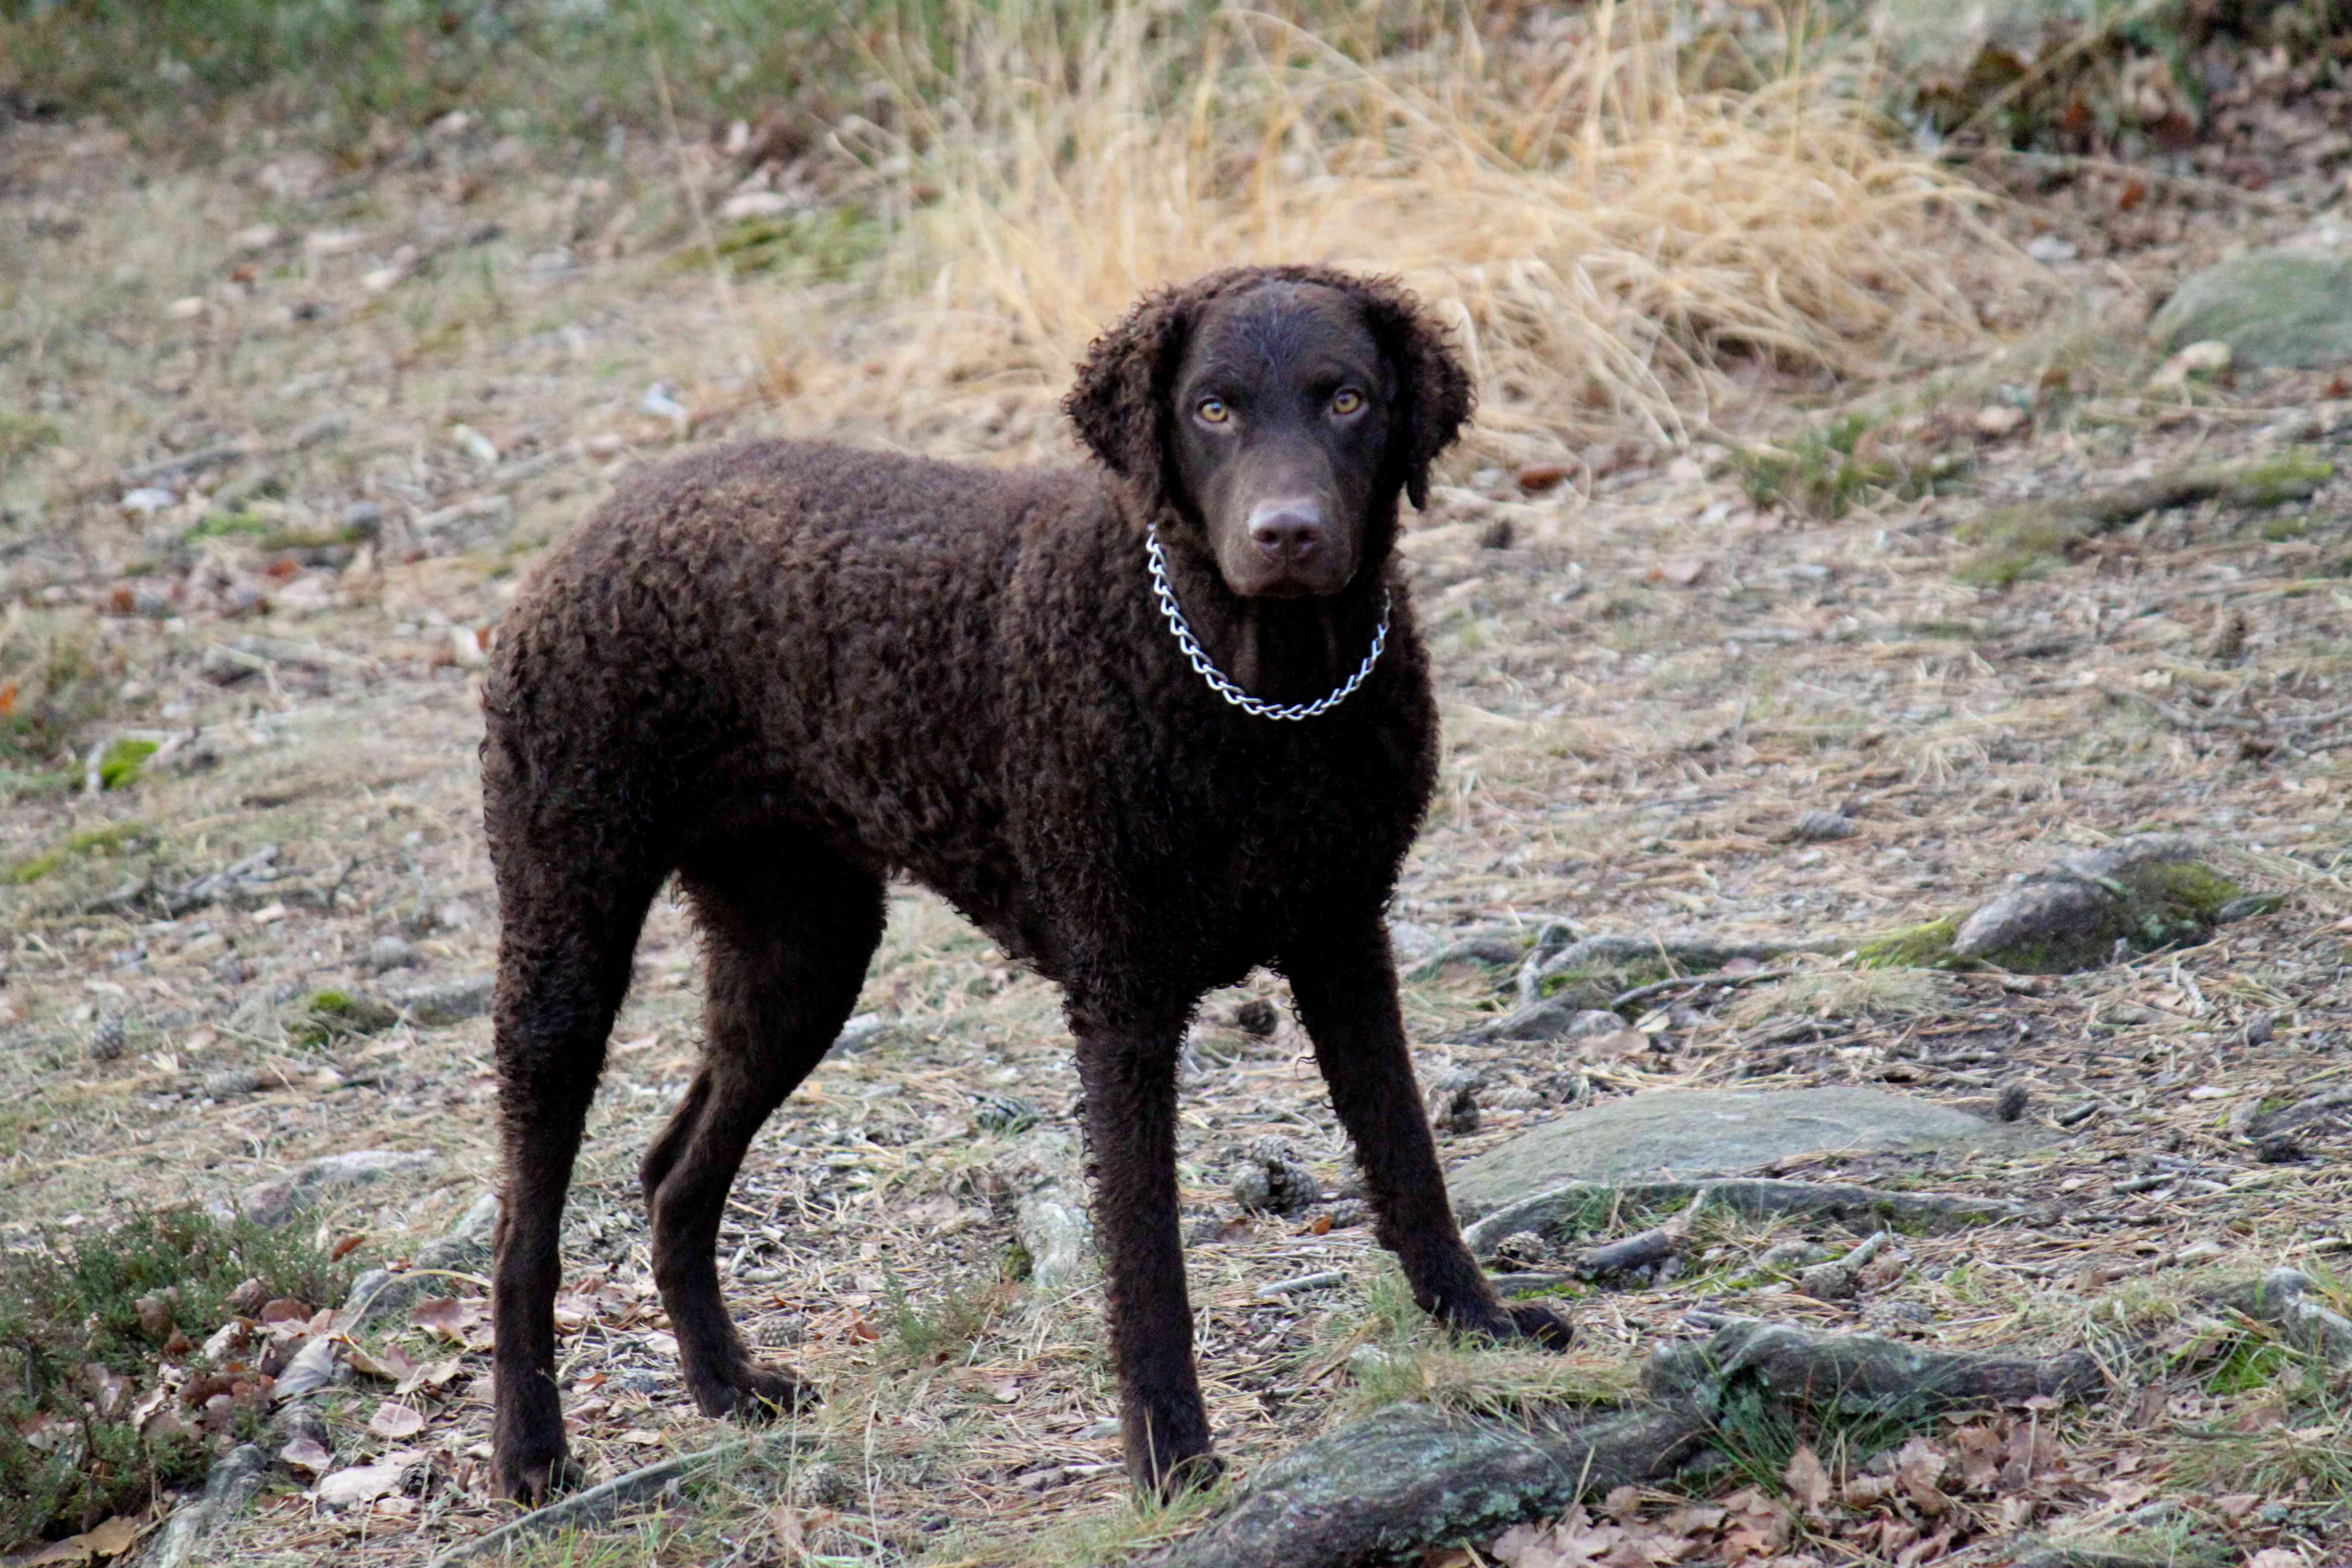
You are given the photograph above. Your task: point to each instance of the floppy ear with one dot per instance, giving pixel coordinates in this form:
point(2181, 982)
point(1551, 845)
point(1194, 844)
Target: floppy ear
point(1434, 395)
point(1119, 401)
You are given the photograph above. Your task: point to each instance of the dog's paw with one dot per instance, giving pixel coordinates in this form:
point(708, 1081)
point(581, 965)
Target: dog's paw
point(1540, 1324)
point(749, 1393)
point(530, 1473)
point(1194, 1473)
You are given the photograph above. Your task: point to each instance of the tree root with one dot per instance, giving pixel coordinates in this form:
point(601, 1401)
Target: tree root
point(1410, 1476)
point(1756, 1197)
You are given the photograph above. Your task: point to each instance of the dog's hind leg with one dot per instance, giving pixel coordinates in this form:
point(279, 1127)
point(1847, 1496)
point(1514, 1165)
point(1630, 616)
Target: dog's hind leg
point(789, 926)
point(568, 930)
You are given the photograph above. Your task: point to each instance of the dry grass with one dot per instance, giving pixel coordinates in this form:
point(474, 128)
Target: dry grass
point(1606, 233)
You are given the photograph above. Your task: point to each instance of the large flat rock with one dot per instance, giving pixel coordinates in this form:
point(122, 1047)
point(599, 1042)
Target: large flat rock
point(1678, 1134)
point(2277, 307)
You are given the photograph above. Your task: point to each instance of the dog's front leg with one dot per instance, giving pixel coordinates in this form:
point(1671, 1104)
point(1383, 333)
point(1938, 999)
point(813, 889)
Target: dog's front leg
point(1130, 1086)
point(1344, 981)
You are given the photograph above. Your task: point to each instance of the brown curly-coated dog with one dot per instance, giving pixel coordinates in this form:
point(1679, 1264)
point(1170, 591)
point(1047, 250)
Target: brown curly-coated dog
point(782, 672)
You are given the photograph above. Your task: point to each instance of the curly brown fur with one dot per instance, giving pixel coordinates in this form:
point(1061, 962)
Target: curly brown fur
point(782, 672)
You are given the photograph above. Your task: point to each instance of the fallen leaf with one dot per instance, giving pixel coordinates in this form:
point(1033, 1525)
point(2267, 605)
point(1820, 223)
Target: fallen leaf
point(1806, 1479)
point(365, 1483)
point(307, 1455)
point(392, 1366)
point(1681, 570)
point(643, 1436)
point(346, 1245)
point(394, 1420)
point(7, 698)
point(861, 1332)
point(111, 1539)
point(433, 1374)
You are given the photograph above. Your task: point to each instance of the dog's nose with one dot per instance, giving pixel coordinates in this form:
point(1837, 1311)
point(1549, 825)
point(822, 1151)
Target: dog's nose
point(1287, 530)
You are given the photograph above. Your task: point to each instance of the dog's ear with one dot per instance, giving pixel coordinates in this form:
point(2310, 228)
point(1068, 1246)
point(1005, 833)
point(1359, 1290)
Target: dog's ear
point(1434, 397)
point(1119, 401)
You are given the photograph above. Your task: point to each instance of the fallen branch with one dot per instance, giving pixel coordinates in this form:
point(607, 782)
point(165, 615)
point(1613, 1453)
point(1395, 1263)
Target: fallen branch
point(598, 1504)
point(1410, 1477)
point(1625, 999)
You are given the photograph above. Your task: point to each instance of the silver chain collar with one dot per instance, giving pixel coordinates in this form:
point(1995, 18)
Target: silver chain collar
point(1216, 677)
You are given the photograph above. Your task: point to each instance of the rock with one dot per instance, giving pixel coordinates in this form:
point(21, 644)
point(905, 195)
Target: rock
point(1820, 827)
point(2278, 1149)
point(453, 1001)
point(148, 500)
point(2259, 1029)
point(1683, 1134)
point(338, 1014)
point(364, 521)
point(274, 1202)
point(2279, 307)
point(1789, 1255)
point(1274, 1180)
point(379, 1293)
point(822, 1485)
point(2146, 892)
point(387, 952)
point(2014, 1099)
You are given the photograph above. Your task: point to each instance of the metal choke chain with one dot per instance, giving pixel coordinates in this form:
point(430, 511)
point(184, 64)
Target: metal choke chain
point(1216, 677)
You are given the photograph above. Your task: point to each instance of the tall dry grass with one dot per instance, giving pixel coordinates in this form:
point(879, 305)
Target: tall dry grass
point(1606, 234)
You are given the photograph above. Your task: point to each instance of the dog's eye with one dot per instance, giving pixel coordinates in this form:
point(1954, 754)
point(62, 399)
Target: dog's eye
point(1348, 400)
point(1212, 411)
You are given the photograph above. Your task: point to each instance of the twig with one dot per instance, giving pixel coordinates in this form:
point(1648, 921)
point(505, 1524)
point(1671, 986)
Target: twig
point(2180, 718)
point(1694, 983)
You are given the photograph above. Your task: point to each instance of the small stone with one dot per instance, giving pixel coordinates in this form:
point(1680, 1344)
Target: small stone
point(1820, 827)
point(148, 500)
point(2259, 1029)
point(260, 236)
point(2012, 1101)
point(1257, 1017)
point(389, 952)
point(108, 1038)
point(2278, 1149)
point(1995, 420)
point(1538, 477)
point(1593, 1023)
point(1497, 534)
point(364, 520)
point(437, 1007)
point(185, 310)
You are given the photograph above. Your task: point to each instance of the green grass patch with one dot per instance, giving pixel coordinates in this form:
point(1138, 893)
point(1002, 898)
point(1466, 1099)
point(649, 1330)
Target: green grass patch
point(332, 1015)
point(92, 841)
point(1830, 468)
point(119, 764)
point(821, 245)
point(357, 71)
point(82, 1325)
point(21, 436)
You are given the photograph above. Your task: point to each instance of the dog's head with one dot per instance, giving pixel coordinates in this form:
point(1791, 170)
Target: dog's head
point(1280, 411)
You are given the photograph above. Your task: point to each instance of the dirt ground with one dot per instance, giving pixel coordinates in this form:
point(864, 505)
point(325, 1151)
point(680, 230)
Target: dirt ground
point(420, 376)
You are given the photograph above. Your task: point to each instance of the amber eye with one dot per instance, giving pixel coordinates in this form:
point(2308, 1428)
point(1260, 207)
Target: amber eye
point(1348, 400)
point(1212, 411)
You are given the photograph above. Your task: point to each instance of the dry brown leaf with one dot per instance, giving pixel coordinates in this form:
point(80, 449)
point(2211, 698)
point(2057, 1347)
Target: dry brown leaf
point(111, 1539)
point(395, 1421)
point(392, 1366)
point(1806, 1479)
point(307, 1455)
point(434, 1374)
point(641, 1437)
